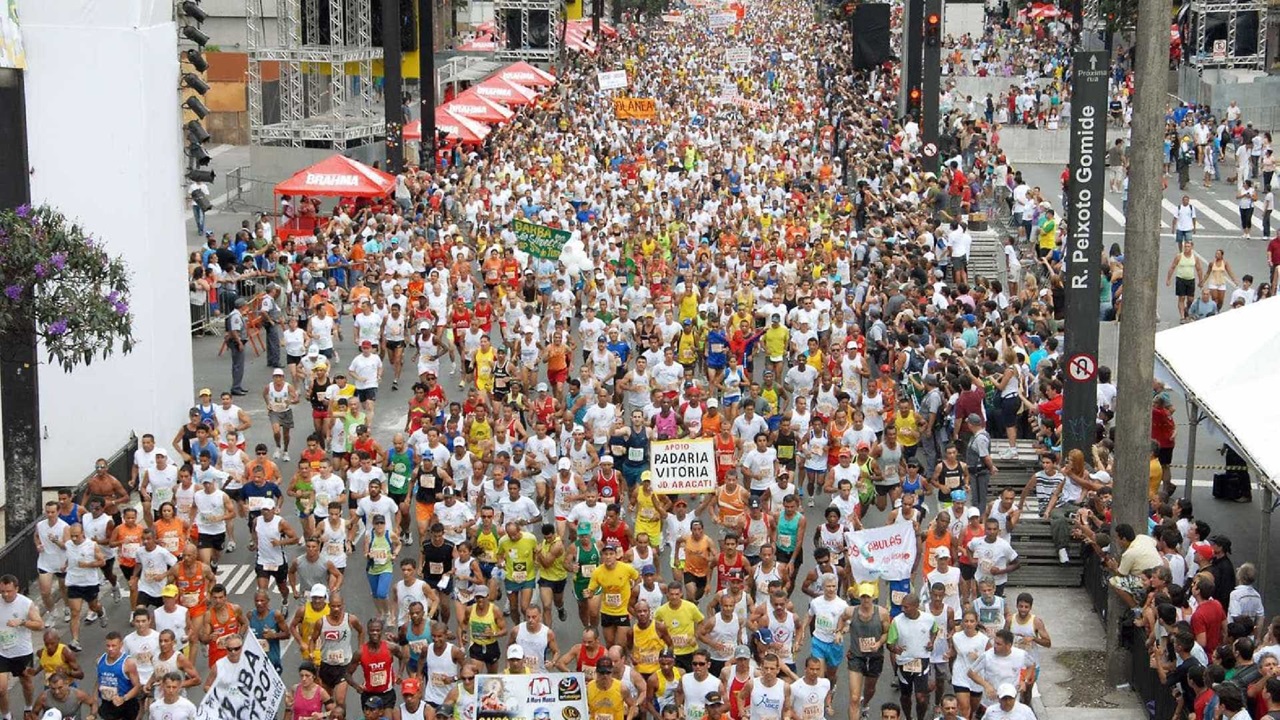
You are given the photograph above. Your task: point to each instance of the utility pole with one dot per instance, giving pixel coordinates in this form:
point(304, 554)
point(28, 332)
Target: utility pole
point(393, 87)
point(427, 83)
point(1142, 259)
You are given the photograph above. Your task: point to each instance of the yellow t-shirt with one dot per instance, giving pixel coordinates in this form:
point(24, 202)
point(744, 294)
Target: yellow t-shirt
point(1155, 474)
point(646, 645)
point(615, 585)
point(605, 704)
point(517, 556)
point(775, 341)
point(682, 623)
point(908, 431)
point(556, 571)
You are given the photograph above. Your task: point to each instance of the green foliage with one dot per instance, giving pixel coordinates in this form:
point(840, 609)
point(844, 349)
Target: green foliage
point(61, 284)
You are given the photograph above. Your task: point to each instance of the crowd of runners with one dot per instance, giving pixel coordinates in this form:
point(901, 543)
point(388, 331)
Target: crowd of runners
point(792, 283)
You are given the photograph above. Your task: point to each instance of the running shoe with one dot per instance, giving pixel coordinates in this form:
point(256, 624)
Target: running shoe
point(231, 546)
point(66, 614)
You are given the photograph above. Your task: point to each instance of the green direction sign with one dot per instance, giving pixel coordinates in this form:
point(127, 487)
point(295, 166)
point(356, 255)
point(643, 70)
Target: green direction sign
point(539, 240)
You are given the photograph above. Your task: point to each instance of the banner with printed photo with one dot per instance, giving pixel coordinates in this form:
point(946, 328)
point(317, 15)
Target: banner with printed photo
point(540, 241)
point(612, 79)
point(681, 467)
point(633, 108)
point(883, 553)
point(12, 53)
point(540, 696)
point(255, 693)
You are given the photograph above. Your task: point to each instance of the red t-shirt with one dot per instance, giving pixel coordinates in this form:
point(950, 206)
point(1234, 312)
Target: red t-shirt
point(1163, 429)
point(1208, 619)
point(1273, 250)
point(1051, 410)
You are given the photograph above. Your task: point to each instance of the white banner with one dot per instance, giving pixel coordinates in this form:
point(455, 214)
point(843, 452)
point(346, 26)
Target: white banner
point(883, 553)
point(541, 695)
point(721, 20)
point(673, 19)
point(612, 80)
point(738, 56)
point(683, 466)
point(254, 694)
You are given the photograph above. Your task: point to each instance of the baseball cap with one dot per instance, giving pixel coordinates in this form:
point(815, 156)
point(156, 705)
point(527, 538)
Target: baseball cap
point(742, 652)
point(162, 451)
point(864, 445)
point(584, 528)
point(1204, 552)
point(753, 503)
point(52, 714)
point(974, 419)
point(712, 402)
point(870, 589)
point(319, 590)
point(515, 652)
point(541, 387)
point(972, 512)
point(480, 591)
point(169, 591)
point(713, 698)
point(942, 552)
point(459, 442)
point(410, 685)
point(1007, 690)
point(205, 391)
point(564, 464)
point(313, 350)
point(648, 570)
point(959, 496)
point(608, 459)
point(365, 344)
point(604, 664)
point(277, 371)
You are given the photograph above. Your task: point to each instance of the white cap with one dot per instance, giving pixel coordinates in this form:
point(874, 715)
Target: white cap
point(277, 371)
point(1007, 690)
point(712, 402)
point(942, 552)
point(52, 714)
point(607, 459)
point(515, 652)
point(313, 350)
point(564, 464)
point(319, 590)
point(459, 442)
point(162, 451)
point(542, 387)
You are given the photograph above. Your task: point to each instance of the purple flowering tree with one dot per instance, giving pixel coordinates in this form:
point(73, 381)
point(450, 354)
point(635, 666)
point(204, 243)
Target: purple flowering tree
point(61, 290)
point(62, 287)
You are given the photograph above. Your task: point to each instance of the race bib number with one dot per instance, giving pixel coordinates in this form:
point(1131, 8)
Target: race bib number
point(914, 665)
point(170, 543)
point(812, 712)
point(519, 572)
point(823, 622)
point(129, 551)
point(333, 548)
point(270, 568)
point(613, 599)
point(154, 575)
point(896, 597)
point(107, 692)
point(867, 644)
point(210, 518)
point(189, 600)
point(260, 503)
point(587, 570)
point(264, 644)
point(682, 641)
point(162, 495)
point(635, 454)
point(435, 568)
point(441, 679)
point(322, 501)
point(985, 566)
point(648, 514)
point(143, 658)
point(380, 556)
point(8, 639)
point(397, 481)
point(335, 657)
point(378, 678)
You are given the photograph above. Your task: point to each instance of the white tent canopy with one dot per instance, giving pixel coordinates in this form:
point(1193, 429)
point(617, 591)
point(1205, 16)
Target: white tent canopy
point(1229, 367)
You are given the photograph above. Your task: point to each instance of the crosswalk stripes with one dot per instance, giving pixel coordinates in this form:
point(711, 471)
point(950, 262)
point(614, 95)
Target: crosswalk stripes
point(1113, 212)
point(1208, 212)
point(1234, 209)
point(1210, 221)
point(237, 579)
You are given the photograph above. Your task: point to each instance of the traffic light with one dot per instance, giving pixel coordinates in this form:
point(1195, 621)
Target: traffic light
point(933, 29)
point(913, 96)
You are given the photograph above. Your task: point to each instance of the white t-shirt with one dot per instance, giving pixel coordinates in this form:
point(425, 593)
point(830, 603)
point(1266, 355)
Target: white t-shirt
point(181, 709)
point(364, 371)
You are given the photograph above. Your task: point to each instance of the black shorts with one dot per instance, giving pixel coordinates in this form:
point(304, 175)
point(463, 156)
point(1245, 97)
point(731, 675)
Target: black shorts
point(398, 499)
point(967, 571)
point(487, 654)
point(557, 586)
point(127, 571)
point(395, 344)
point(367, 394)
point(150, 601)
point(281, 573)
point(125, 711)
point(214, 542)
point(694, 580)
point(1184, 287)
point(293, 359)
point(959, 264)
point(88, 593)
point(332, 675)
point(388, 699)
point(1165, 456)
point(685, 662)
point(871, 666)
point(913, 682)
point(236, 495)
point(615, 620)
point(884, 489)
point(15, 665)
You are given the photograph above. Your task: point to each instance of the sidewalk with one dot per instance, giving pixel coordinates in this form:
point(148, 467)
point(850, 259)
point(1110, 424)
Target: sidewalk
point(1072, 680)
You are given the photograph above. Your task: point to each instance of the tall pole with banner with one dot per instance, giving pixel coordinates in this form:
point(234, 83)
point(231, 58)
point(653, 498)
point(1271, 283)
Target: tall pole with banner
point(393, 88)
point(1084, 247)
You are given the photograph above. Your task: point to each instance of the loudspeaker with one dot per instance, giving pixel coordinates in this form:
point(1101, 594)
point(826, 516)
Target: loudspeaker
point(408, 23)
point(15, 178)
point(870, 26)
point(539, 30)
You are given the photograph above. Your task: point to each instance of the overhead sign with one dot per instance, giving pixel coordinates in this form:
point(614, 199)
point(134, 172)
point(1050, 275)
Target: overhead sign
point(1219, 49)
point(681, 467)
point(1082, 368)
point(539, 695)
point(540, 241)
point(1083, 247)
point(612, 79)
point(883, 553)
point(255, 693)
point(632, 108)
point(717, 21)
point(738, 56)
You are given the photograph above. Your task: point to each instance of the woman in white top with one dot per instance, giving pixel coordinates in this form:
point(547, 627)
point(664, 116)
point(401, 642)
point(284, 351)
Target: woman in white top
point(969, 645)
point(321, 328)
point(295, 341)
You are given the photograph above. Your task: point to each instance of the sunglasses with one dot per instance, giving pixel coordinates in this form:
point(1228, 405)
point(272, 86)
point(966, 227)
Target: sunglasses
point(699, 664)
point(237, 648)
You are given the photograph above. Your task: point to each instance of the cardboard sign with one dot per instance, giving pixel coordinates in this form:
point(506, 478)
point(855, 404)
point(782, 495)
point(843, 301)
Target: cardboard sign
point(673, 19)
point(717, 21)
point(883, 553)
point(631, 108)
point(538, 695)
point(540, 241)
point(612, 80)
point(683, 466)
point(738, 56)
point(254, 693)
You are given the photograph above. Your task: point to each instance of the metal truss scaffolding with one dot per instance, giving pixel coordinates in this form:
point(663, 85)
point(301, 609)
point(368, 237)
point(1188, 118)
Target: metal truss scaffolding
point(325, 91)
point(527, 15)
point(1229, 34)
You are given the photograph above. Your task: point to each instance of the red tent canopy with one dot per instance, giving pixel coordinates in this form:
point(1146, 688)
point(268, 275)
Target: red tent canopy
point(505, 91)
point(527, 75)
point(479, 44)
point(606, 29)
point(338, 175)
point(478, 107)
point(576, 39)
point(456, 127)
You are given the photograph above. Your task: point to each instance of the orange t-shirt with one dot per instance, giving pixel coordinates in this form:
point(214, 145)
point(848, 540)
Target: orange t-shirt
point(130, 540)
point(931, 543)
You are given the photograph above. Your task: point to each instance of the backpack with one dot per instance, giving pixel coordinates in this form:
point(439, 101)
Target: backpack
point(915, 361)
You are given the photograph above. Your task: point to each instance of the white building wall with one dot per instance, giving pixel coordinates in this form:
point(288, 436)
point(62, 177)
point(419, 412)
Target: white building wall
point(105, 144)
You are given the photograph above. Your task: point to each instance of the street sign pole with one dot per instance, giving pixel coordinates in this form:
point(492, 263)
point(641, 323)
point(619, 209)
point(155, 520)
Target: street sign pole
point(1084, 248)
point(912, 55)
point(931, 75)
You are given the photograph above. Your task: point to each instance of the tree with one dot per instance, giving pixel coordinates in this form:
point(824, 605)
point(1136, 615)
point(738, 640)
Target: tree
point(60, 289)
